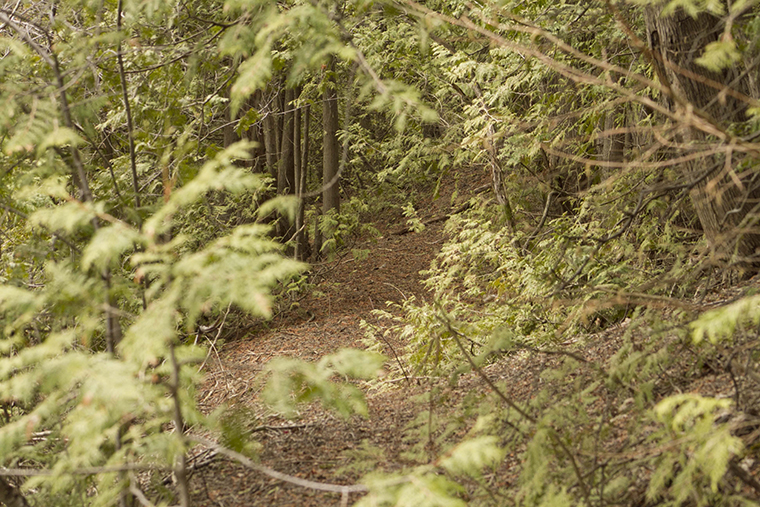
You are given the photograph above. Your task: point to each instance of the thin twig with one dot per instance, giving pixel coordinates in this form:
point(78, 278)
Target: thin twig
point(552, 434)
point(28, 472)
point(212, 347)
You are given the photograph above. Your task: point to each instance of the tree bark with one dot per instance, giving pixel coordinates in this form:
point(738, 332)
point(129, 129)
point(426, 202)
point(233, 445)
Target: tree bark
point(269, 125)
point(286, 169)
point(299, 161)
point(613, 145)
point(256, 134)
point(331, 148)
point(726, 202)
point(230, 136)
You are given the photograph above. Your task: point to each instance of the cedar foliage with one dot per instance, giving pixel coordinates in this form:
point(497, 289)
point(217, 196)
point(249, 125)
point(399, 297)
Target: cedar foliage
point(129, 219)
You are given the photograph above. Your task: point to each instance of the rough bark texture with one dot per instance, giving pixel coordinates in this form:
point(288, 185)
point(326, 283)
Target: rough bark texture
point(331, 150)
point(286, 169)
point(726, 203)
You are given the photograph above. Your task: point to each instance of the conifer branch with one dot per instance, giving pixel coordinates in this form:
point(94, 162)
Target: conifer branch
point(52, 60)
point(552, 433)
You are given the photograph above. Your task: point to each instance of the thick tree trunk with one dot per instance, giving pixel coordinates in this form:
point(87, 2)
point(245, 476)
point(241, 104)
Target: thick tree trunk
point(726, 202)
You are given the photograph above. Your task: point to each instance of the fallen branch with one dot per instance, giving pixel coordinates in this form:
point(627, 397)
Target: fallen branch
point(30, 472)
point(304, 483)
point(744, 476)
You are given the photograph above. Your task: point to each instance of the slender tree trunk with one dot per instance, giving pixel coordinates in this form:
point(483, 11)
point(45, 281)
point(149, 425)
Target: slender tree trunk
point(279, 103)
point(726, 202)
point(286, 169)
point(302, 242)
point(613, 145)
point(296, 144)
point(298, 155)
point(269, 126)
point(256, 134)
point(317, 235)
point(331, 148)
point(230, 136)
point(305, 150)
point(10, 496)
point(180, 465)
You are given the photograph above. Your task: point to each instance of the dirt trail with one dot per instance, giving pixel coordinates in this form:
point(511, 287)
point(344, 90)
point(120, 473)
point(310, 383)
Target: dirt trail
point(328, 319)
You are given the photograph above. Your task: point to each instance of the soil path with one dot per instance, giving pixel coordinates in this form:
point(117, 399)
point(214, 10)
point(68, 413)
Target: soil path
point(314, 446)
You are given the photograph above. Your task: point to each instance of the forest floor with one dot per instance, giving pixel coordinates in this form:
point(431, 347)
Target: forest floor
point(316, 445)
point(327, 319)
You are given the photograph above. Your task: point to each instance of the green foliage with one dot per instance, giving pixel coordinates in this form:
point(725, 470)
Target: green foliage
point(703, 448)
point(722, 323)
point(422, 489)
point(130, 225)
point(54, 365)
point(312, 381)
point(472, 456)
point(413, 221)
point(343, 228)
point(720, 55)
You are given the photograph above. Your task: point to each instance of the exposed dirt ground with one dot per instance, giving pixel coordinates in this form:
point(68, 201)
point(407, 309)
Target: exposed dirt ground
point(314, 445)
point(326, 320)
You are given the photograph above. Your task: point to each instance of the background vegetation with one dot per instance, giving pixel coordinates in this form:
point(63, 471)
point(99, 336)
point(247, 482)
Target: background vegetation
point(164, 162)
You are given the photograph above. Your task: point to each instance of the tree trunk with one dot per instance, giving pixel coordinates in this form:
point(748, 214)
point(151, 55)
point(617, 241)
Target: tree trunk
point(256, 134)
point(230, 136)
point(286, 170)
point(299, 161)
point(726, 202)
point(296, 146)
point(613, 145)
point(269, 125)
point(330, 165)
